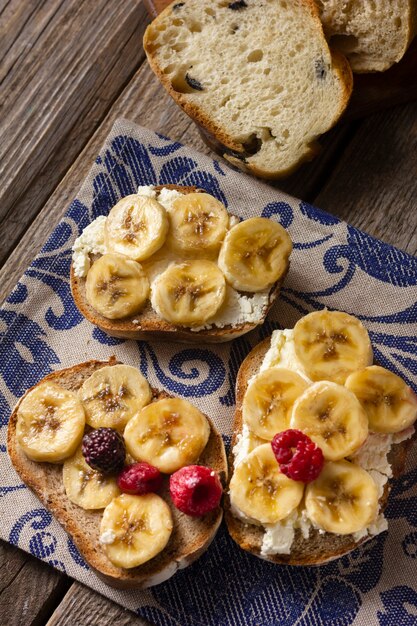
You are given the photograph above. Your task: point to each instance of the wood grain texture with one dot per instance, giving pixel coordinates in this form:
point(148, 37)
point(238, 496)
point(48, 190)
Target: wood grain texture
point(29, 591)
point(79, 58)
point(374, 184)
point(83, 607)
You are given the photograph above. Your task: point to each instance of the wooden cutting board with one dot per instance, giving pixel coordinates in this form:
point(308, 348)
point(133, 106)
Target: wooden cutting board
point(372, 92)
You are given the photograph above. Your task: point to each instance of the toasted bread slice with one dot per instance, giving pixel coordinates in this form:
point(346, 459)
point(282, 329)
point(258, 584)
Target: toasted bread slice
point(148, 325)
point(318, 548)
point(258, 77)
point(190, 537)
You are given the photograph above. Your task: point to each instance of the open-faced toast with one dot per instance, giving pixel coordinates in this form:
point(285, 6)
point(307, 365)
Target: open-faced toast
point(190, 536)
point(148, 324)
point(319, 547)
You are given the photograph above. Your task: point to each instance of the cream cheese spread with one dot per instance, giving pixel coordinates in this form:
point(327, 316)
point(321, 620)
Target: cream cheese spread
point(107, 537)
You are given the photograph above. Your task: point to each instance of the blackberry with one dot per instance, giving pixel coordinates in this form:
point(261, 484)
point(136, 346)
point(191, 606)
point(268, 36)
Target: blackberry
point(104, 450)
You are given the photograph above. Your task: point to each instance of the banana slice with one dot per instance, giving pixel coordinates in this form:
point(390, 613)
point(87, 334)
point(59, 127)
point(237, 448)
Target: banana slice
point(136, 227)
point(390, 404)
point(254, 254)
point(86, 487)
point(343, 499)
point(260, 491)
point(189, 294)
point(331, 345)
point(332, 417)
point(113, 395)
point(198, 224)
point(169, 434)
point(139, 528)
point(50, 423)
point(269, 399)
point(116, 286)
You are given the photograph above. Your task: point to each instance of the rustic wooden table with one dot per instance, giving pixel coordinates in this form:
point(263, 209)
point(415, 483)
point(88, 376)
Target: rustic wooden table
point(68, 69)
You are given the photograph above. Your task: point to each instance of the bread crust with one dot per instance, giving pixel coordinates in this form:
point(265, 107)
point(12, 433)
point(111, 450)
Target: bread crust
point(317, 549)
point(149, 325)
point(190, 537)
point(217, 136)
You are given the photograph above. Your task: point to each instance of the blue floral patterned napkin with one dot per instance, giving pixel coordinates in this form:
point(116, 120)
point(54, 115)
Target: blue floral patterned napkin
point(332, 264)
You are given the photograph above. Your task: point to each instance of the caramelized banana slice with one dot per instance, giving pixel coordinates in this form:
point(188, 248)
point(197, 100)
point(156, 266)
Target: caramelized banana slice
point(269, 399)
point(254, 254)
point(169, 434)
point(332, 417)
point(189, 294)
point(331, 345)
point(343, 499)
point(137, 227)
point(134, 529)
point(113, 395)
point(260, 491)
point(86, 487)
point(390, 404)
point(116, 286)
point(50, 423)
point(198, 224)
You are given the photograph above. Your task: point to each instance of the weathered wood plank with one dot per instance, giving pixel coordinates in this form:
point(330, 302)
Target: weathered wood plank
point(57, 97)
point(374, 184)
point(20, 27)
point(83, 607)
point(29, 591)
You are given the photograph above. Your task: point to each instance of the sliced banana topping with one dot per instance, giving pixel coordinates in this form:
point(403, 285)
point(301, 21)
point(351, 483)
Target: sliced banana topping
point(137, 227)
point(198, 224)
point(254, 254)
point(113, 395)
point(50, 423)
point(140, 527)
point(86, 487)
point(269, 399)
point(331, 345)
point(390, 404)
point(260, 491)
point(343, 499)
point(190, 293)
point(332, 417)
point(116, 286)
point(169, 434)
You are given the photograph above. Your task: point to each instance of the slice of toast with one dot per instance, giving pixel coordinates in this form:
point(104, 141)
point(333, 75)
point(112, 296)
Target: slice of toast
point(318, 548)
point(373, 35)
point(256, 75)
point(190, 537)
point(148, 325)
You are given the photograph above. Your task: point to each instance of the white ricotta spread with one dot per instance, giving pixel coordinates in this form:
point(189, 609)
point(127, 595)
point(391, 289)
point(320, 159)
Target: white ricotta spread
point(282, 353)
point(237, 309)
point(107, 537)
point(91, 241)
point(372, 456)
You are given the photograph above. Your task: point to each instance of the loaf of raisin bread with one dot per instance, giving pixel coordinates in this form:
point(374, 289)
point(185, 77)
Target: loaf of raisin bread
point(257, 75)
point(373, 34)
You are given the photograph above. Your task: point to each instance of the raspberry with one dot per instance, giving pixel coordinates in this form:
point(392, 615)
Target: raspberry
point(195, 490)
point(298, 456)
point(104, 450)
point(140, 478)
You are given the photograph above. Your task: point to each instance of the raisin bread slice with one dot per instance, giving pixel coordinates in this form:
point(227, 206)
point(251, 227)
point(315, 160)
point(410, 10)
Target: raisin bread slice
point(257, 75)
point(373, 34)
